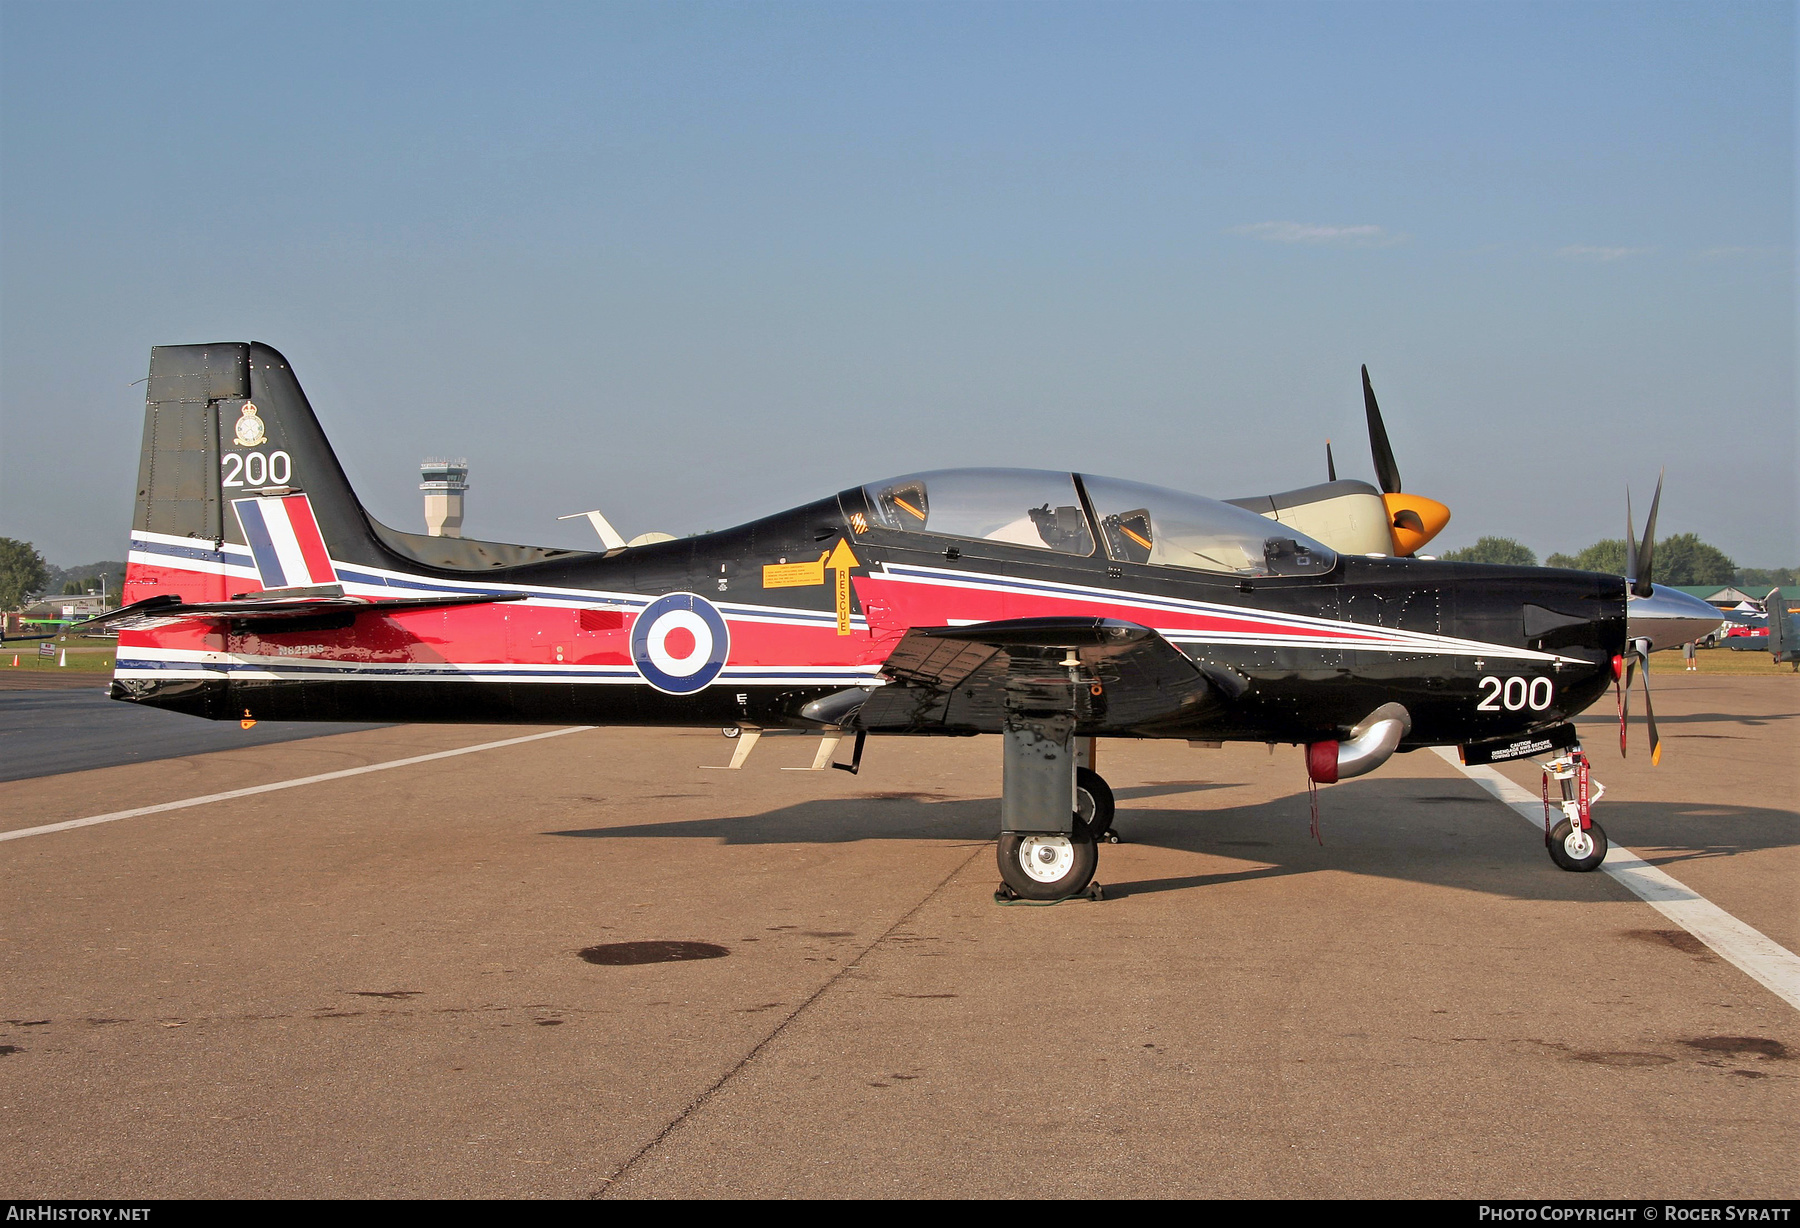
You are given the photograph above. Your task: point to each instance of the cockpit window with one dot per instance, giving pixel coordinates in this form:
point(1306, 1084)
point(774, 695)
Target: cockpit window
point(1023, 507)
point(1146, 524)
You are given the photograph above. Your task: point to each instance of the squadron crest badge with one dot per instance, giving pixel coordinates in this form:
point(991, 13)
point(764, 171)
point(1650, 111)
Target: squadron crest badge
point(249, 428)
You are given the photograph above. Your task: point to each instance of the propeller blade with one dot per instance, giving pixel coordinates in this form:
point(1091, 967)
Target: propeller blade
point(1387, 473)
point(1650, 719)
point(1641, 576)
point(1622, 690)
point(1631, 559)
point(1330, 465)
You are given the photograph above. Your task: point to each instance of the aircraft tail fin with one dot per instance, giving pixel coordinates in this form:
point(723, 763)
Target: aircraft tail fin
point(239, 490)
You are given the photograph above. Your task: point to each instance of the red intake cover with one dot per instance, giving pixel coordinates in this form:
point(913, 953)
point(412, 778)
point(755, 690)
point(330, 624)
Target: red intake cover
point(1321, 762)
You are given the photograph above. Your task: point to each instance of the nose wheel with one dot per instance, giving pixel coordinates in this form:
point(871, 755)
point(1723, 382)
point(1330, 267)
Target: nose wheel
point(1575, 849)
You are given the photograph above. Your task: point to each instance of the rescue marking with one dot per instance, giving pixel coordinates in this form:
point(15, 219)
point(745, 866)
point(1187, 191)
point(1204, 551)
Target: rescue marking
point(841, 561)
point(1753, 952)
point(115, 816)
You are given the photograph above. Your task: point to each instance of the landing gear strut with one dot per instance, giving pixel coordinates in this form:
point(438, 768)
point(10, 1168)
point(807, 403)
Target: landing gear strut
point(1576, 842)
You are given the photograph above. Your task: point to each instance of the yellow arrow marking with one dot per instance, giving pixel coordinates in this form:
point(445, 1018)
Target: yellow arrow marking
point(795, 575)
point(841, 561)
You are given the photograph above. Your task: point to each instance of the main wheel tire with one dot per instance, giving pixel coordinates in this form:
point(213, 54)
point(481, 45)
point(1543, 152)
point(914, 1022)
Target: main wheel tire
point(1046, 865)
point(1093, 803)
point(1577, 850)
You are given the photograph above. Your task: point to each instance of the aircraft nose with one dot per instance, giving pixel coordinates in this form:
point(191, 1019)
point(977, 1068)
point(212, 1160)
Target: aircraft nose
point(1668, 617)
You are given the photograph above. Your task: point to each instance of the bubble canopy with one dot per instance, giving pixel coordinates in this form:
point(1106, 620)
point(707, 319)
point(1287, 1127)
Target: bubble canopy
point(1069, 514)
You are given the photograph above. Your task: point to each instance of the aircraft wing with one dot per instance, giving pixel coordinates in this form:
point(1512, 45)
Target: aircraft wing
point(272, 606)
point(967, 678)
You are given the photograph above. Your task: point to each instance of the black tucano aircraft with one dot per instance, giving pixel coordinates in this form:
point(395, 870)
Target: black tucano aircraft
point(1047, 607)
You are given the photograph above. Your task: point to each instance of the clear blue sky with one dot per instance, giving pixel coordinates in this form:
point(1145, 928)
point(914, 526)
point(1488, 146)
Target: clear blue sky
point(691, 263)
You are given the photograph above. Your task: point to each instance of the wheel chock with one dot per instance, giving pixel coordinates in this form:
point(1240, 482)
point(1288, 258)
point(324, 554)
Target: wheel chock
point(1006, 897)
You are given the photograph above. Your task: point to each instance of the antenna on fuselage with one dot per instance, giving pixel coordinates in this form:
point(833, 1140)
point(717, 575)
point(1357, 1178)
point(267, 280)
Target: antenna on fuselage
point(609, 536)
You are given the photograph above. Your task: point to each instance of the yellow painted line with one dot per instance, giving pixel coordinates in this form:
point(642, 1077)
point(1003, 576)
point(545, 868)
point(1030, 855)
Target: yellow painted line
point(184, 803)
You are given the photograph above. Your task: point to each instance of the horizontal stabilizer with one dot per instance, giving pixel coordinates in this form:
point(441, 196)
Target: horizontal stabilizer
point(276, 604)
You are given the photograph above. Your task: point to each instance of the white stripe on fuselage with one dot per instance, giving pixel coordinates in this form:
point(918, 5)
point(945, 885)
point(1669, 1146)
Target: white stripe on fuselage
point(1343, 636)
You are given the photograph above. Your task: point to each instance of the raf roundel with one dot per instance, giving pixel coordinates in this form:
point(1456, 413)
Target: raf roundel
point(680, 643)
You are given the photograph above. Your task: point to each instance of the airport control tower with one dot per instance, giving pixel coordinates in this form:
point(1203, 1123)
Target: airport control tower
point(444, 483)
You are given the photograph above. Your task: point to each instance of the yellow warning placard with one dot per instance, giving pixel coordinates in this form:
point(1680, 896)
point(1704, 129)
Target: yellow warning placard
point(795, 575)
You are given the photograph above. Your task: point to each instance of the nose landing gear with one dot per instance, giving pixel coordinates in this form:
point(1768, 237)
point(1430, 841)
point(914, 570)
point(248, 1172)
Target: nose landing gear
point(1576, 842)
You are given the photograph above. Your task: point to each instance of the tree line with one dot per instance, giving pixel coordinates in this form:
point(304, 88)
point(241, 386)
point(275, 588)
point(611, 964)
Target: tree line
point(1680, 559)
point(24, 573)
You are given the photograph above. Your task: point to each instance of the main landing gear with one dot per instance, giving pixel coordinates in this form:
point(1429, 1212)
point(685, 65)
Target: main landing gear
point(1054, 813)
point(1576, 842)
point(1094, 805)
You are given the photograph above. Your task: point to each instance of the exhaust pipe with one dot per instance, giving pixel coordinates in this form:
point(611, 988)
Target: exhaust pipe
point(1372, 743)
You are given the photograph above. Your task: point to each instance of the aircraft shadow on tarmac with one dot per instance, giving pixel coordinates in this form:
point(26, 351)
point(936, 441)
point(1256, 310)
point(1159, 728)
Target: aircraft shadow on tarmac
point(1688, 718)
point(1427, 831)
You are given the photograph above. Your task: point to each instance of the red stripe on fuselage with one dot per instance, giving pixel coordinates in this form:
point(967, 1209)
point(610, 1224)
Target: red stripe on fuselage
point(499, 634)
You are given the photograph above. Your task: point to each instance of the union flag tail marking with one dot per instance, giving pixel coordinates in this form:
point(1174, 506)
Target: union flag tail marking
point(284, 538)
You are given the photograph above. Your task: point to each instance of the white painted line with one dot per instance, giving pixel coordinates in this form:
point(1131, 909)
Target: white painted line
point(115, 816)
point(1754, 952)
